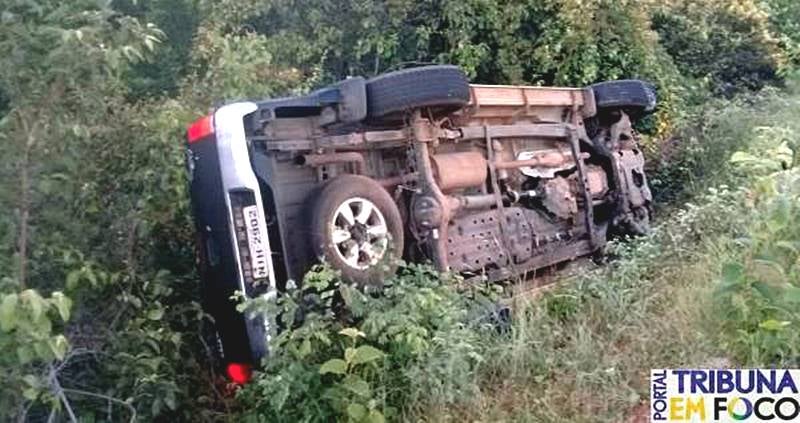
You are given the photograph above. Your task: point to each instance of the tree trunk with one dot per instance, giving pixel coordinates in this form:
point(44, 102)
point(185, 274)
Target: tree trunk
point(25, 202)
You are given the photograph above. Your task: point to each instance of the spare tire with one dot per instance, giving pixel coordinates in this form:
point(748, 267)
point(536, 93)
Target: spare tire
point(630, 94)
point(442, 88)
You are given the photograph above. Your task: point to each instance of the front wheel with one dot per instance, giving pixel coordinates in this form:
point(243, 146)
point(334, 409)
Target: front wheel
point(357, 228)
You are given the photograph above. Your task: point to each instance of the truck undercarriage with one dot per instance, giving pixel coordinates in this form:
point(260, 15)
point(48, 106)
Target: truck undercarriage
point(492, 182)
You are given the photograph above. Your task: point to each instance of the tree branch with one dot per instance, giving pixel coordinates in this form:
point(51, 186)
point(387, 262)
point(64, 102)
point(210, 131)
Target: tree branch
point(105, 397)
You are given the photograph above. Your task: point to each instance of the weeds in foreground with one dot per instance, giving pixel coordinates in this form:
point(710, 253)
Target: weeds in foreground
point(376, 356)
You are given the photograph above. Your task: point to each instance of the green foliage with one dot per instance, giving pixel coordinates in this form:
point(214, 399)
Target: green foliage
point(759, 288)
point(729, 44)
point(162, 73)
point(30, 336)
point(784, 15)
point(698, 152)
point(413, 340)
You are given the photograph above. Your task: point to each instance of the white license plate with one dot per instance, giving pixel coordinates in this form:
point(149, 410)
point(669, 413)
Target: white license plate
point(257, 241)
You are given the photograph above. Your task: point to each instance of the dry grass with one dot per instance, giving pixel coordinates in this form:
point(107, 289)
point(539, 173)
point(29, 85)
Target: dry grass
point(582, 352)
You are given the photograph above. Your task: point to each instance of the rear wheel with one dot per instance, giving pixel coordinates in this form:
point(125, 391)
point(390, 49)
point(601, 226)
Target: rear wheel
point(636, 97)
point(442, 89)
point(357, 228)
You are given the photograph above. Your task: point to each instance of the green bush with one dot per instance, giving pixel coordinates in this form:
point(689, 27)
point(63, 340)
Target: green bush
point(729, 44)
point(759, 288)
point(784, 16)
point(31, 339)
point(413, 341)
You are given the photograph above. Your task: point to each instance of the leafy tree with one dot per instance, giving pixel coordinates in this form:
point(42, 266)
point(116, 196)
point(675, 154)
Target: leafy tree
point(161, 74)
point(60, 75)
point(727, 43)
point(784, 15)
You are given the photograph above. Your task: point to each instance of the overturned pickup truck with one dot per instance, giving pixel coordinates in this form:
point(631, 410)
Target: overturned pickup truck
point(492, 182)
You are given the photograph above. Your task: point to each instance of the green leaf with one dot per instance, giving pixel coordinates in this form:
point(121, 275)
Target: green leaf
point(366, 354)
point(59, 345)
point(24, 354)
point(169, 399)
point(336, 366)
point(352, 333)
point(31, 380)
point(773, 325)
point(375, 416)
point(135, 301)
point(36, 302)
point(356, 411)
point(73, 278)
point(8, 316)
point(305, 348)
point(155, 314)
point(732, 273)
point(765, 290)
point(63, 304)
point(356, 385)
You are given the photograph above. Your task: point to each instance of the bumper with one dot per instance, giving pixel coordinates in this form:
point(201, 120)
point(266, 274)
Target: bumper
point(229, 216)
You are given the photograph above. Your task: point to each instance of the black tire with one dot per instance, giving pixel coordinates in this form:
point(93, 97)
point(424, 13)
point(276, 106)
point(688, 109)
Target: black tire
point(629, 94)
point(352, 187)
point(442, 88)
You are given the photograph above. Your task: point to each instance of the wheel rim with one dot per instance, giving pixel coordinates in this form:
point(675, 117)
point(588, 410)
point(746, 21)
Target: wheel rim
point(359, 233)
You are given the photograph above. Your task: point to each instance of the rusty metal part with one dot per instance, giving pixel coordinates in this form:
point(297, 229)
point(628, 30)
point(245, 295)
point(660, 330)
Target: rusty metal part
point(502, 154)
point(559, 198)
point(499, 103)
point(552, 158)
point(597, 181)
point(428, 187)
point(427, 212)
point(543, 164)
point(493, 177)
point(472, 202)
point(476, 242)
point(630, 165)
point(316, 160)
point(582, 185)
point(398, 180)
point(459, 170)
point(621, 134)
point(499, 132)
point(423, 130)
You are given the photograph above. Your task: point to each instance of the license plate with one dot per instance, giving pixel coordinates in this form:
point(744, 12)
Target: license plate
point(256, 240)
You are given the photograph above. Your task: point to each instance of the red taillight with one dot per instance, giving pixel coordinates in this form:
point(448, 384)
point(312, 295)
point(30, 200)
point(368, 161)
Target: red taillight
point(240, 373)
point(200, 129)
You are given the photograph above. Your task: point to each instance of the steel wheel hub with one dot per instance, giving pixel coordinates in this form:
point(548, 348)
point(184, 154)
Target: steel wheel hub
point(359, 233)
